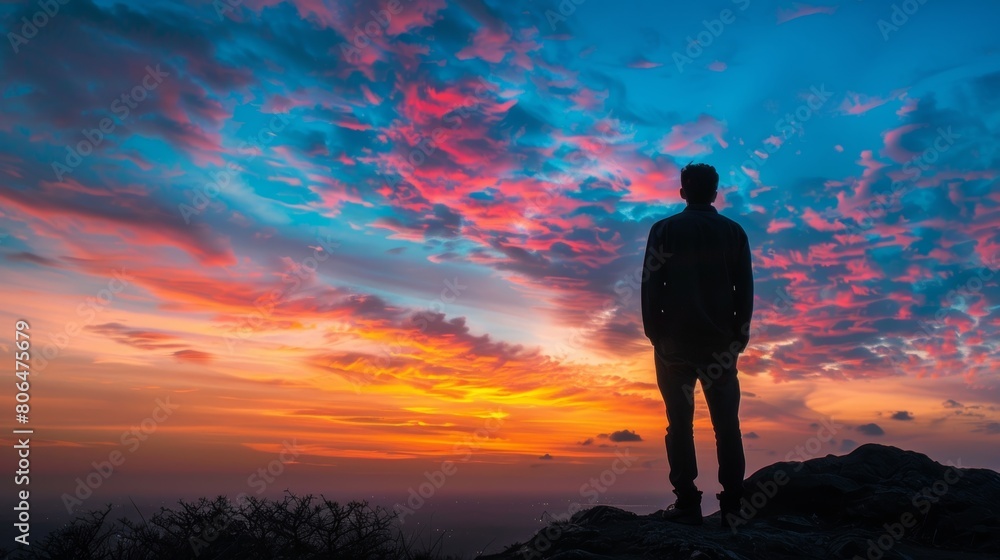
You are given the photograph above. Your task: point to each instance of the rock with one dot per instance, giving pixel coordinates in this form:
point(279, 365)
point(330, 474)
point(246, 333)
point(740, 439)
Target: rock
point(876, 503)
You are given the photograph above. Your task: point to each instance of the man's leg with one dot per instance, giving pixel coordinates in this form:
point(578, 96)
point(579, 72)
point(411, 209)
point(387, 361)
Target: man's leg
point(676, 384)
point(723, 397)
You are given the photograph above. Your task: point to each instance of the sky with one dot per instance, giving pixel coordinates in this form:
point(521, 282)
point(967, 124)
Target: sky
point(389, 234)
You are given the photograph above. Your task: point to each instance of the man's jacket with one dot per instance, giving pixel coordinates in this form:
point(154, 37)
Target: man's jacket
point(697, 284)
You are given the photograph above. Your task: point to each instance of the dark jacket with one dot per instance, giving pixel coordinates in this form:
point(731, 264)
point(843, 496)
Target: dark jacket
point(697, 284)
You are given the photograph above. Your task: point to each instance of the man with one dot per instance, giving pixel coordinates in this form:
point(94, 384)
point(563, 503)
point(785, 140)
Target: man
point(697, 299)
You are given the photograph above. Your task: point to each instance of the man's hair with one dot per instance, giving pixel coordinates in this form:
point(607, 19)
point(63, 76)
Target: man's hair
point(700, 182)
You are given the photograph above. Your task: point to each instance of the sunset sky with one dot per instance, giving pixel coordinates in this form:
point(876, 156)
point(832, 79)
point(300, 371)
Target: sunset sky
point(402, 232)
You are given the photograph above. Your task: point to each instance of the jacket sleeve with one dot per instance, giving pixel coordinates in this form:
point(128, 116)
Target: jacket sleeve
point(650, 280)
point(743, 291)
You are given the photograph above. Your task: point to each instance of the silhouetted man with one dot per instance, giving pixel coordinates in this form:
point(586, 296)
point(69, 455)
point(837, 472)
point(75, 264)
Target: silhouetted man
point(697, 299)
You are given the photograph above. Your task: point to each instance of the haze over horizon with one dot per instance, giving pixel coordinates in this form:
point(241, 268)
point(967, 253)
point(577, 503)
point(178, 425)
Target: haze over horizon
point(405, 232)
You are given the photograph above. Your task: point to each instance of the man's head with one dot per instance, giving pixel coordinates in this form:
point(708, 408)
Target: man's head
point(699, 183)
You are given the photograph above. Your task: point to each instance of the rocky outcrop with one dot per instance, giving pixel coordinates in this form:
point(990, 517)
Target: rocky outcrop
point(876, 503)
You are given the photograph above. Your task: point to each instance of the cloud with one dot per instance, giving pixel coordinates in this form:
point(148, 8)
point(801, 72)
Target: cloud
point(685, 139)
point(952, 404)
point(848, 445)
point(871, 429)
point(588, 441)
point(751, 435)
point(643, 62)
point(193, 356)
point(144, 339)
point(803, 10)
point(859, 104)
point(624, 435)
point(24, 256)
point(546, 457)
point(902, 415)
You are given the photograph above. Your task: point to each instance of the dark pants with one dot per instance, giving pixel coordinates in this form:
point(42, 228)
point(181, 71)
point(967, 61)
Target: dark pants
point(676, 379)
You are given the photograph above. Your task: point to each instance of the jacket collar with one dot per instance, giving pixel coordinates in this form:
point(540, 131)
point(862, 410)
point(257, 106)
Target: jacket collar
point(700, 208)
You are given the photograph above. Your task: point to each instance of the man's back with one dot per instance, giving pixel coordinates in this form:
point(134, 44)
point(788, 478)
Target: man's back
point(698, 295)
point(697, 298)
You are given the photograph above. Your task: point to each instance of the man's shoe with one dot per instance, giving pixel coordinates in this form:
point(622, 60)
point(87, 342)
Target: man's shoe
point(729, 510)
point(686, 510)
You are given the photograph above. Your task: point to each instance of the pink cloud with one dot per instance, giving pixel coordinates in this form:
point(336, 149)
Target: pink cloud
point(909, 105)
point(817, 222)
point(893, 146)
point(654, 181)
point(859, 103)
point(487, 44)
point(642, 62)
point(774, 226)
point(803, 10)
point(685, 139)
